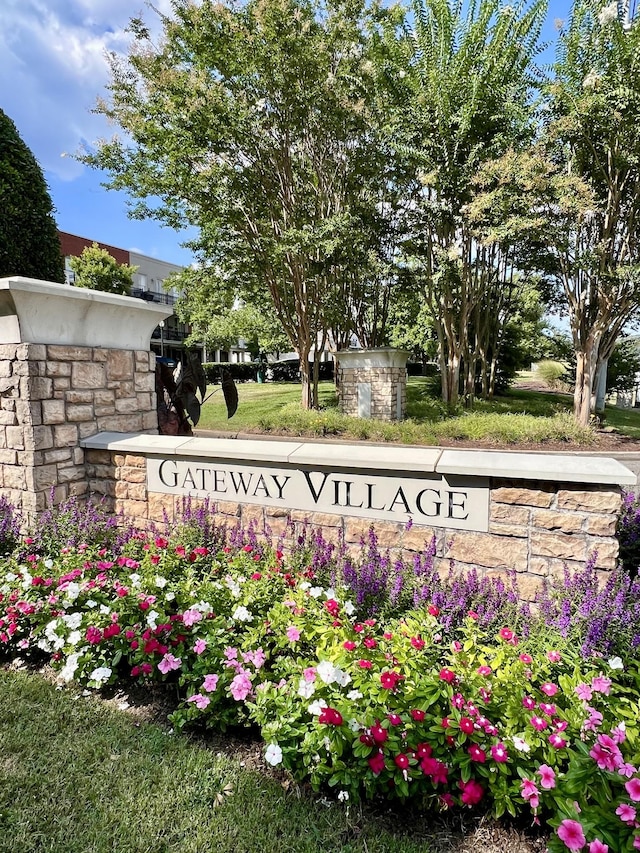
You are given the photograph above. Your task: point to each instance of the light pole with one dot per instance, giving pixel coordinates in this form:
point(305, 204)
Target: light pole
point(161, 324)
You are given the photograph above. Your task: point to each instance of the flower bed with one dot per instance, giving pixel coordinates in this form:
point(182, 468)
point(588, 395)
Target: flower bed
point(366, 676)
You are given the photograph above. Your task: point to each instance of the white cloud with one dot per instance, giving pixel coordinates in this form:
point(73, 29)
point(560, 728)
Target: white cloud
point(54, 68)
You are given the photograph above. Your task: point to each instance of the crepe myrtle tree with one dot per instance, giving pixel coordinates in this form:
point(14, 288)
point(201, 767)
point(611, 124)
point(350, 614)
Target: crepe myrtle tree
point(96, 269)
point(252, 123)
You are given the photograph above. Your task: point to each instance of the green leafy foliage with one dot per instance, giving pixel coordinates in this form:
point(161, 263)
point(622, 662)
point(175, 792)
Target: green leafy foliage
point(96, 269)
point(29, 244)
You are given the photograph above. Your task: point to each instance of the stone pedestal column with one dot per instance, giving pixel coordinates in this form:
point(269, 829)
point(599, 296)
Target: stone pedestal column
point(373, 383)
point(73, 362)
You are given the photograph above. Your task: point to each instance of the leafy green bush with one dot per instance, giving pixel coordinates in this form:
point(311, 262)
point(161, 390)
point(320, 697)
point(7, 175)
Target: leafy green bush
point(551, 372)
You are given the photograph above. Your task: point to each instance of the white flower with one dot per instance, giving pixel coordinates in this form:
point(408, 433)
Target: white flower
point(316, 707)
point(105, 610)
point(160, 582)
point(306, 689)
point(26, 580)
point(50, 630)
point(329, 593)
point(273, 754)
point(102, 673)
point(48, 563)
point(341, 677)
point(169, 596)
point(135, 579)
point(202, 607)
point(521, 744)
point(591, 81)
point(327, 671)
point(74, 638)
point(349, 608)
point(68, 670)
point(354, 725)
point(90, 603)
point(72, 591)
point(354, 694)
point(343, 796)
point(609, 14)
point(233, 586)
point(615, 663)
point(152, 617)
point(304, 585)
point(10, 576)
point(72, 620)
point(315, 591)
point(44, 645)
point(241, 614)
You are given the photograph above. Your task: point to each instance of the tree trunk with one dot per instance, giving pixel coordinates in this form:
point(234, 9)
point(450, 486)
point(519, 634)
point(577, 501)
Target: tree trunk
point(585, 374)
point(307, 381)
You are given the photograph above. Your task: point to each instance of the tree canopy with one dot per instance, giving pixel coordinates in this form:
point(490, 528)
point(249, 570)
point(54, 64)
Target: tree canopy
point(29, 244)
point(96, 269)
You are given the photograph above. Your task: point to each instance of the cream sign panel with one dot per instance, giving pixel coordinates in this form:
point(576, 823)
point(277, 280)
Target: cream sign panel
point(434, 500)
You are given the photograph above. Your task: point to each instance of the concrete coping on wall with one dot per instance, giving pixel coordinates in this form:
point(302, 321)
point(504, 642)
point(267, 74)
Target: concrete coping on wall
point(371, 358)
point(45, 312)
point(513, 465)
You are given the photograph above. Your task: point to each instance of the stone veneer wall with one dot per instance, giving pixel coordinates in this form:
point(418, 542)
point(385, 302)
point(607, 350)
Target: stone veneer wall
point(52, 397)
point(384, 371)
point(535, 528)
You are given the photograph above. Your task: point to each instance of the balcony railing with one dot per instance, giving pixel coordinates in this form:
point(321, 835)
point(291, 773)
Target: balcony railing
point(169, 334)
point(150, 296)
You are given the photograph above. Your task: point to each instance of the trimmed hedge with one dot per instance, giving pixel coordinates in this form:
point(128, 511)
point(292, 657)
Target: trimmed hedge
point(276, 371)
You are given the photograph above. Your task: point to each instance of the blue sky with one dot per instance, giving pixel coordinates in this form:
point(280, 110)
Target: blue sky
point(53, 68)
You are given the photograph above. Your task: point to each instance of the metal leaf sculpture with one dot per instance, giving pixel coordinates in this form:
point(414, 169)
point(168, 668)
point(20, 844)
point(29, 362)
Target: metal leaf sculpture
point(230, 393)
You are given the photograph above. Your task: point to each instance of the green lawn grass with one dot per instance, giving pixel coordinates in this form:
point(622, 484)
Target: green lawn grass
point(519, 417)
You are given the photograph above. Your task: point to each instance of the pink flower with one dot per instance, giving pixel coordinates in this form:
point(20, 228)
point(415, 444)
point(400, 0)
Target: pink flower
point(401, 761)
point(447, 675)
point(199, 700)
point(484, 670)
point(526, 658)
point(554, 656)
point(506, 634)
point(627, 814)
point(466, 725)
point(293, 634)
point(349, 645)
point(389, 679)
point(376, 763)
point(632, 788)
point(191, 616)
point(547, 708)
point(549, 688)
point(499, 753)
point(528, 702)
point(556, 741)
point(210, 683)
point(570, 831)
point(539, 723)
point(593, 721)
point(199, 646)
point(601, 684)
point(330, 717)
point(472, 792)
point(309, 673)
point(477, 754)
point(530, 793)
point(596, 846)
point(627, 770)
point(606, 753)
point(168, 663)
point(240, 687)
point(583, 691)
point(547, 776)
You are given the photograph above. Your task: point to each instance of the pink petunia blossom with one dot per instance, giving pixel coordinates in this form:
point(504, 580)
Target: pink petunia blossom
point(484, 670)
point(309, 673)
point(169, 663)
point(472, 792)
point(477, 754)
point(240, 687)
point(626, 813)
point(632, 788)
point(499, 753)
point(199, 646)
point(547, 776)
point(530, 793)
point(549, 688)
point(190, 617)
point(601, 684)
point(199, 700)
point(606, 753)
point(570, 831)
point(210, 683)
point(293, 634)
point(539, 723)
point(593, 721)
point(554, 656)
point(528, 702)
point(597, 846)
point(556, 741)
point(627, 770)
point(583, 691)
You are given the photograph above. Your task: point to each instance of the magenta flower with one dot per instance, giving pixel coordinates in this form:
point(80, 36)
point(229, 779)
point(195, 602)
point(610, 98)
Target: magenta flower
point(557, 741)
point(547, 776)
point(627, 814)
point(530, 793)
point(632, 788)
point(554, 656)
point(627, 770)
point(583, 691)
point(472, 792)
point(606, 753)
point(549, 688)
point(484, 670)
point(570, 831)
point(240, 687)
point(191, 616)
point(169, 663)
point(528, 702)
point(210, 683)
point(477, 754)
point(539, 723)
point(199, 701)
point(596, 846)
point(199, 646)
point(293, 634)
point(499, 753)
point(309, 673)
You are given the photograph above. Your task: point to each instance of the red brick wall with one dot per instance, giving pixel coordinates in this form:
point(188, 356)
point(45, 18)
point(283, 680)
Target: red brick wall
point(72, 245)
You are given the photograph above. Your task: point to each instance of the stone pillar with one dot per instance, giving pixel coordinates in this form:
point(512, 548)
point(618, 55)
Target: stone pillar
point(73, 362)
point(373, 383)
